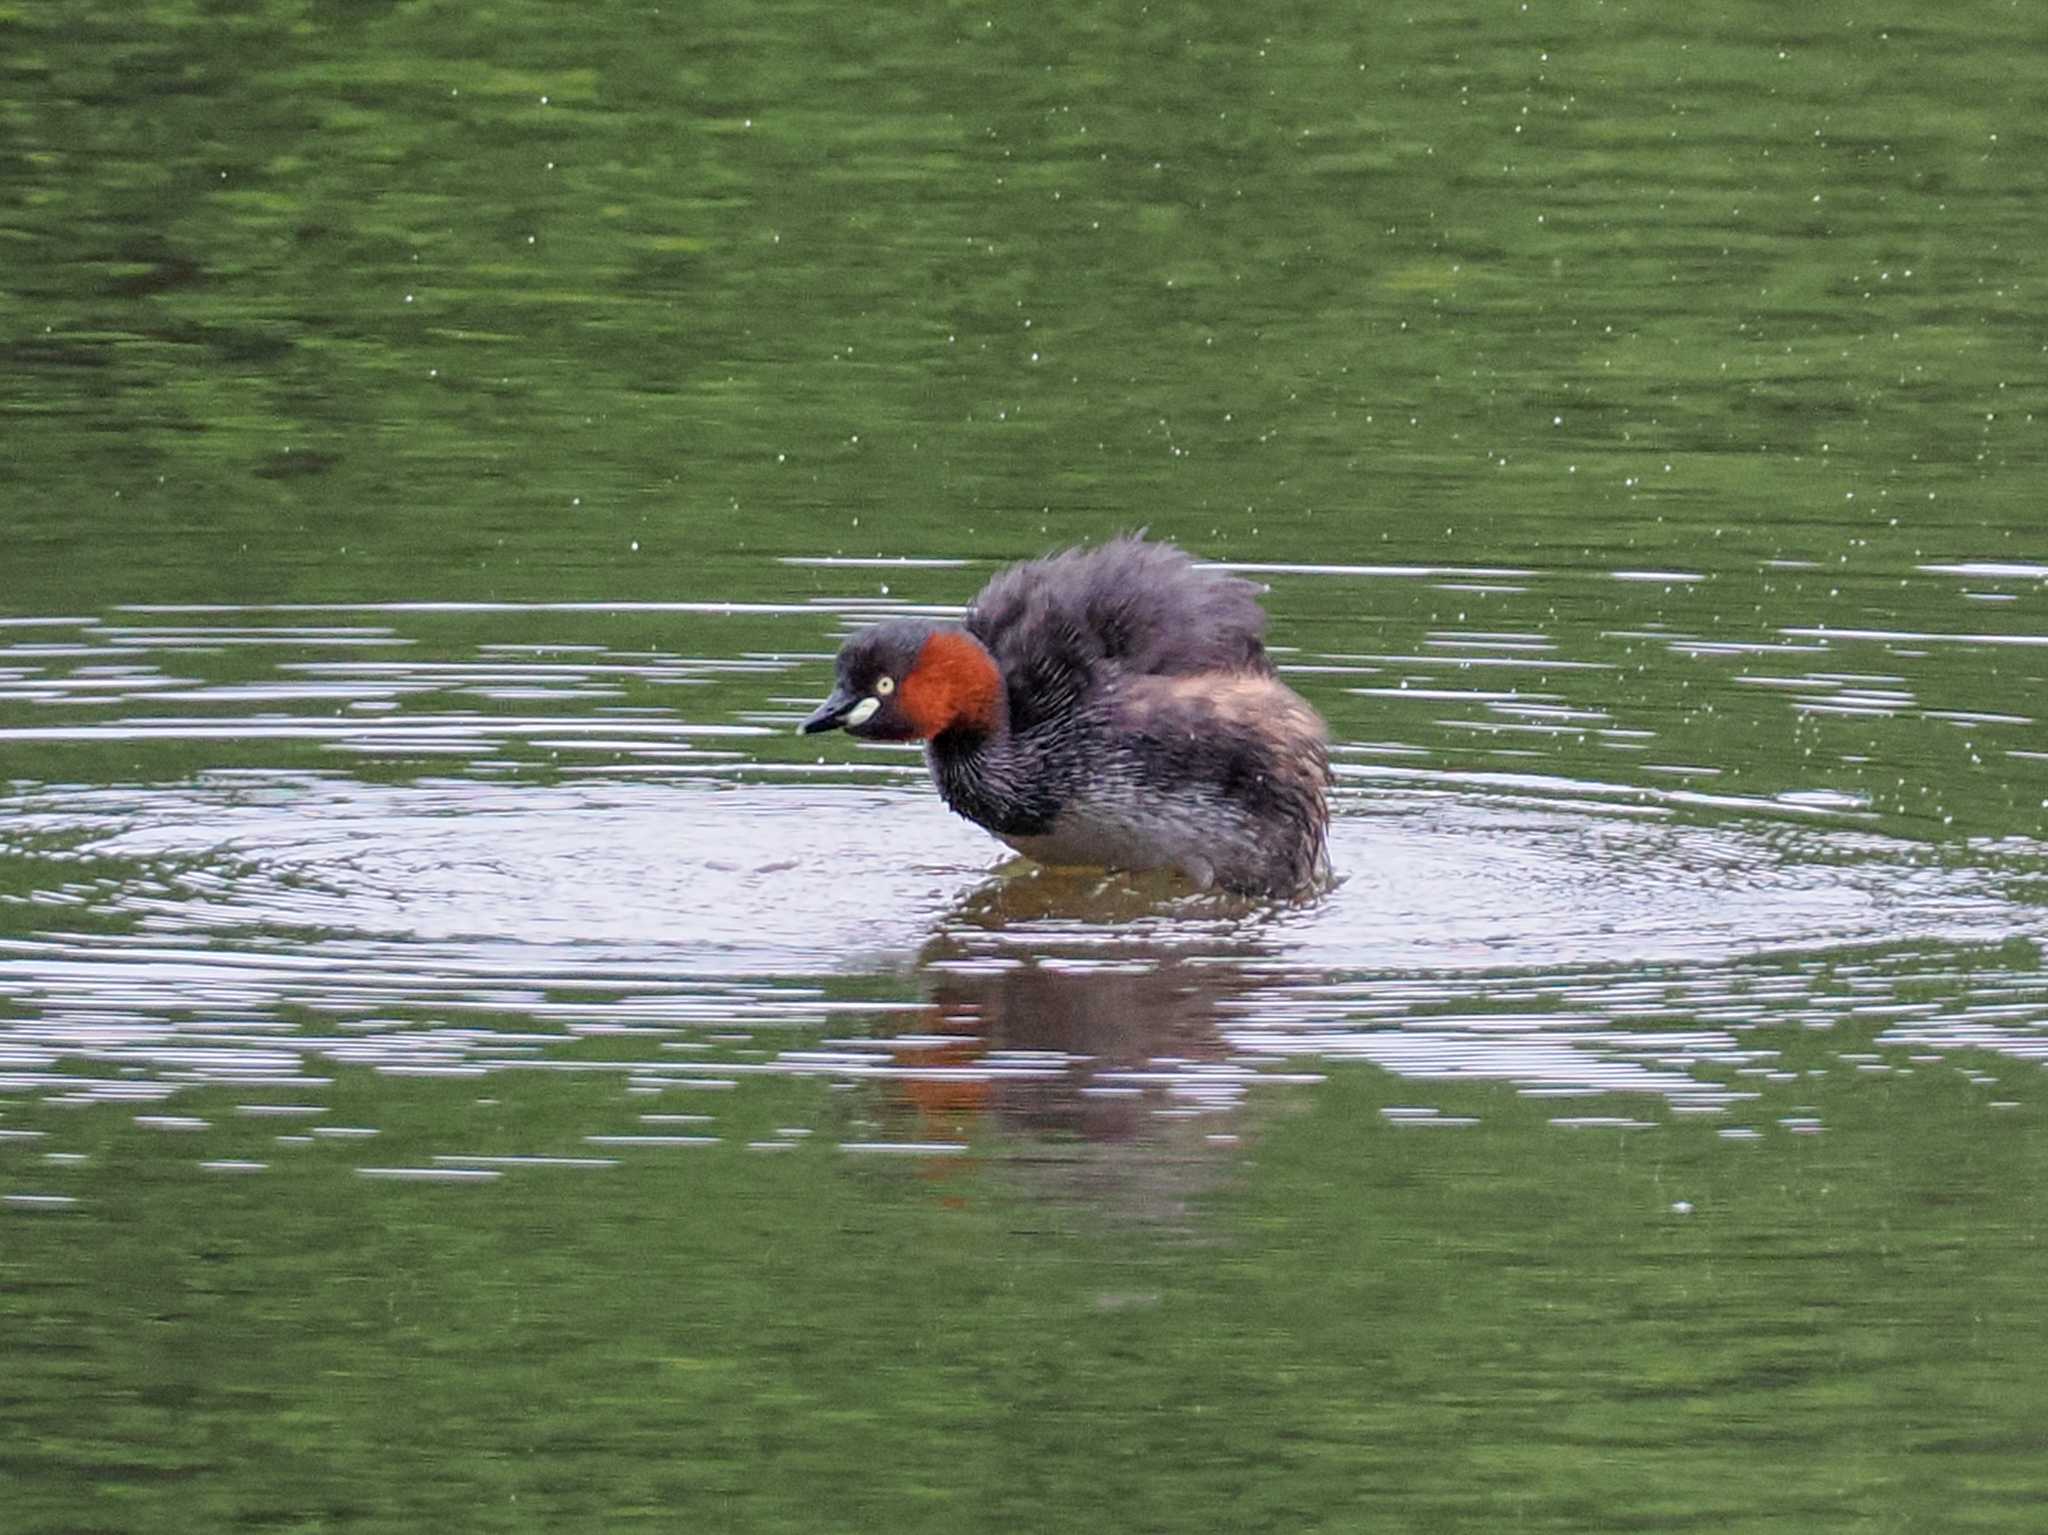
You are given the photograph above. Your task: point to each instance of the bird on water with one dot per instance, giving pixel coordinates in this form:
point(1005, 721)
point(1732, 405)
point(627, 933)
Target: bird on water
point(1110, 707)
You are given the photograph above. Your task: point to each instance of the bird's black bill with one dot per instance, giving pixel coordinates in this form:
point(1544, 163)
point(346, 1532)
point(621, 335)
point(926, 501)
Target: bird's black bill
point(830, 714)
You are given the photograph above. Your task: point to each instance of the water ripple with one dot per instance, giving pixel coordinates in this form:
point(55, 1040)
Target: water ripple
point(582, 841)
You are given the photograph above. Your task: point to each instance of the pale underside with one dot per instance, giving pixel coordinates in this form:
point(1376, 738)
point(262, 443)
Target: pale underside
point(1200, 835)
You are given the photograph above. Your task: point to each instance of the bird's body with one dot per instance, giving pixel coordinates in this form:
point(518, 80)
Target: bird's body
point(1108, 707)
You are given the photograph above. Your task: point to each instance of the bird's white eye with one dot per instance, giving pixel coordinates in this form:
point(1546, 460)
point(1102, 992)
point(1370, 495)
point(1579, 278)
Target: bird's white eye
point(884, 686)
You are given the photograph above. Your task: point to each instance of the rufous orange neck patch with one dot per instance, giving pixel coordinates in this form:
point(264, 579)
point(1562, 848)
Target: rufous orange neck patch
point(954, 683)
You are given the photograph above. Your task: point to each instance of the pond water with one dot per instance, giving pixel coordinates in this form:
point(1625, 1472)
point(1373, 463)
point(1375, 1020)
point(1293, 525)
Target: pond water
point(463, 1057)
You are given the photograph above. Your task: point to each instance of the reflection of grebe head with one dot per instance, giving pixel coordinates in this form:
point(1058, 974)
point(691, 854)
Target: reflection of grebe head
point(907, 680)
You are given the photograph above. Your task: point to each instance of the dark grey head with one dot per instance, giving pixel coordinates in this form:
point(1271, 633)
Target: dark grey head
point(868, 699)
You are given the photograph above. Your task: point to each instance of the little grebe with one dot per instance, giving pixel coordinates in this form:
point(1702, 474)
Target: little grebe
point(1110, 707)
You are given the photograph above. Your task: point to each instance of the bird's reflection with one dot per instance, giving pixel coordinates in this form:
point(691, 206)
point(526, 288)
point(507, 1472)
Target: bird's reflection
point(1086, 1015)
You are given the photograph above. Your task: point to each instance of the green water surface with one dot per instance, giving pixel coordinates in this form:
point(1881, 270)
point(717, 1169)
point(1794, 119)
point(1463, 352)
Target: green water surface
point(439, 447)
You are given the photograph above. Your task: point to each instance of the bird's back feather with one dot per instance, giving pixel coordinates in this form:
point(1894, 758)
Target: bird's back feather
point(1058, 626)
